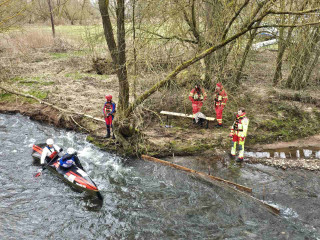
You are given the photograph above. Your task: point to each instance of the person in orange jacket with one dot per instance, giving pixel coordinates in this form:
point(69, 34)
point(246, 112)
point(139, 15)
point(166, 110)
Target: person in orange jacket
point(220, 101)
point(238, 133)
point(197, 96)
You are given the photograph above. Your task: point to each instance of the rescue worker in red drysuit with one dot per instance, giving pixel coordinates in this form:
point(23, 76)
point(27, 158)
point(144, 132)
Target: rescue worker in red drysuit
point(197, 96)
point(220, 101)
point(238, 133)
point(109, 110)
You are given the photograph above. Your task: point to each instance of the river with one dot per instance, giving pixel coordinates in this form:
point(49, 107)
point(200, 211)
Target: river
point(145, 200)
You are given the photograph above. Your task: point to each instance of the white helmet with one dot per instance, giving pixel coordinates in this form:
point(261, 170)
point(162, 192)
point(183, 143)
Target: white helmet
point(50, 141)
point(71, 151)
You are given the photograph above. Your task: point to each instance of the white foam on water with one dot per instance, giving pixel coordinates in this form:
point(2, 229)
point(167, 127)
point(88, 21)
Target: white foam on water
point(250, 154)
point(283, 155)
point(284, 211)
point(307, 153)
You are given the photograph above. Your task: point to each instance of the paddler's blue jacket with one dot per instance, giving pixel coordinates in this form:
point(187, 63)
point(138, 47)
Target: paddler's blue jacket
point(67, 160)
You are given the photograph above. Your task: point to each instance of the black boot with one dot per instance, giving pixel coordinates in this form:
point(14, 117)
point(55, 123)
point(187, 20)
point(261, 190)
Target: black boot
point(200, 122)
point(108, 132)
point(113, 137)
point(194, 121)
point(239, 160)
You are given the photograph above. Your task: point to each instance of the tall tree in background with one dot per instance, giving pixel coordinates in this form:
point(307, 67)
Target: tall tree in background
point(117, 50)
point(51, 19)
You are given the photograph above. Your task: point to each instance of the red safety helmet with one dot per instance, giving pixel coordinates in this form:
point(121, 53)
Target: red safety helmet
point(219, 84)
point(109, 98)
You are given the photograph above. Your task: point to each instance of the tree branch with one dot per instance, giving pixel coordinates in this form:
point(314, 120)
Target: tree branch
point(49, 104)
point(295, 13)
point(169, 38)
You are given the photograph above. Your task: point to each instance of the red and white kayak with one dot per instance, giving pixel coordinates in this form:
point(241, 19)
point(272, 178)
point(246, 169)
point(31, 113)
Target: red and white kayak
point(74, 176)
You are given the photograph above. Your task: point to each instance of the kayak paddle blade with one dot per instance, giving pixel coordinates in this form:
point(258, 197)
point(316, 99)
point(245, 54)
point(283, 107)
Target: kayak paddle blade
point(38, 174)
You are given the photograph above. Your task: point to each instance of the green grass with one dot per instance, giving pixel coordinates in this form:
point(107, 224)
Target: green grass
point(288, 123)
point(77, 75)
point(74, 32)
point(30, 81)
point(38, 94)
point(7, 97)
point(63, 55)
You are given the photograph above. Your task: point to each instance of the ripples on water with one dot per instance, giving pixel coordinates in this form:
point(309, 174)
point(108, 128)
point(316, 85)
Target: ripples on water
point(142, 200)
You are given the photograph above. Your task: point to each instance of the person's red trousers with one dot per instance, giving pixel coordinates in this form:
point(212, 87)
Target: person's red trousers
point(196, 106)
point(108, 120)
point(219, 110)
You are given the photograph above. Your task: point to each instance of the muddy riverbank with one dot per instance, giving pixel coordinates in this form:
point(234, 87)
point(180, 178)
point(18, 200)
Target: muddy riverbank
point(269, 154)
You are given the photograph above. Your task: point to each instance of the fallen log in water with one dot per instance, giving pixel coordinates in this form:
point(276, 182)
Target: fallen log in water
point(244, 190)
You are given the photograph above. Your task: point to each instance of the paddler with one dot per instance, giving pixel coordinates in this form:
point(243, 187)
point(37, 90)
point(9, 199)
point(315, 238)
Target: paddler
point(70, 158)
point(48, 150)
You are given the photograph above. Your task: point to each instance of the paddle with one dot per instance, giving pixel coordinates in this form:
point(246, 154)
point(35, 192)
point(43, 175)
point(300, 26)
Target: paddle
point(39, 173)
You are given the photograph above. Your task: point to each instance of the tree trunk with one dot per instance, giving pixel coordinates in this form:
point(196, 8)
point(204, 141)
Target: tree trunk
point(134, 90)
point(245, 55)
point(108, 31)
point(122, 64)
point(51, 19)
point(281, 48)
point(296, 77)
point(282, 45)
point(312, 63)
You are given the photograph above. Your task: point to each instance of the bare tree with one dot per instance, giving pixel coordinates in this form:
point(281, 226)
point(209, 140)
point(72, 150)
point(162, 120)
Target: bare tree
point(262, 13)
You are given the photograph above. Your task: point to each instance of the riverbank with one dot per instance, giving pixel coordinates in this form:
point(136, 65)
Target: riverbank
point(63, 74)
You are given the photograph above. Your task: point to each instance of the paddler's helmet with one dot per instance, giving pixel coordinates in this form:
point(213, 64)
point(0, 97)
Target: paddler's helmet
point(50, 141)
point(71, 151)
point(109, 98)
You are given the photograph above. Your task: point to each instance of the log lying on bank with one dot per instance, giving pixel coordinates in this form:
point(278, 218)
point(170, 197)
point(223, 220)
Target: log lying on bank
point(244, 190)
point(50, 104)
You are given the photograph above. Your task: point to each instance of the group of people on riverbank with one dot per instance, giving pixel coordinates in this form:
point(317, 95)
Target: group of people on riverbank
point(238, 131)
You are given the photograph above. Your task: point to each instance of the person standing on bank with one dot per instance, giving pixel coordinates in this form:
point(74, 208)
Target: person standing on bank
point(109, 110)
point(48, 150)
point(197, 96)
point(238, 133)
point(220, 101)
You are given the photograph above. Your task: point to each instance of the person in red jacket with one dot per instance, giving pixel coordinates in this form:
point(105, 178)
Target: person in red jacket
point(109, 110)
point(197, 96)
point(220, 101)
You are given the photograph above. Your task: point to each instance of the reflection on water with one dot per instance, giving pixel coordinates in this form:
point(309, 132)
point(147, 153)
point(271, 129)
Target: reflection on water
point(313, 153)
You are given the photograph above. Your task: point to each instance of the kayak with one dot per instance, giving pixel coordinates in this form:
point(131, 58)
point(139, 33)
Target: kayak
point(74, 176)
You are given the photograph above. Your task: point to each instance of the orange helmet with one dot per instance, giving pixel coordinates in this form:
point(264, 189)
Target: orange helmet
point(109, 98)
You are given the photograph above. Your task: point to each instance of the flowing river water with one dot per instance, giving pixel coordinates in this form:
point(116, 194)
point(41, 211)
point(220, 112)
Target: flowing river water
point(145, 200)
